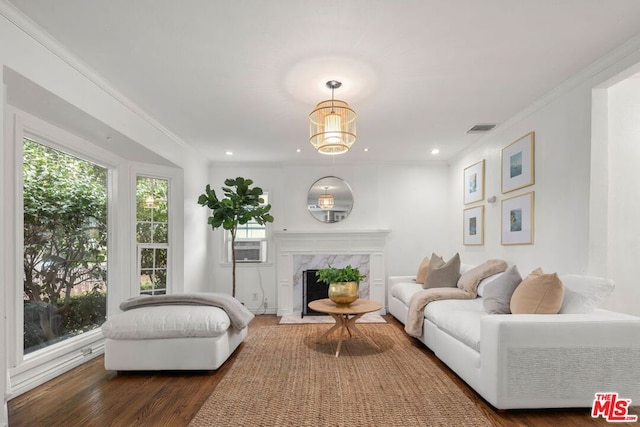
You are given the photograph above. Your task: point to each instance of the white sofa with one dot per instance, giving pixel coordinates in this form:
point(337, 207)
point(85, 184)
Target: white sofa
point(530, 360)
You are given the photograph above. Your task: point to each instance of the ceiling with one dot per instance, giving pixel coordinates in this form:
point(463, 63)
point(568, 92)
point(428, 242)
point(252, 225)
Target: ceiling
point(243, 76)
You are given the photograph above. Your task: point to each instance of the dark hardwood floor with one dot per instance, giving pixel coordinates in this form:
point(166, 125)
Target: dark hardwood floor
point(91, 396)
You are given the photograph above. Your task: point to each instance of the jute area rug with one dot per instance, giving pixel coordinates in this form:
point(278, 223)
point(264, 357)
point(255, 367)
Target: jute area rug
point(282, 377)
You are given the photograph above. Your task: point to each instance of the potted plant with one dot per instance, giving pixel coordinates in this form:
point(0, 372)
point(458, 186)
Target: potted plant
point(240, 205)
point(343, 283)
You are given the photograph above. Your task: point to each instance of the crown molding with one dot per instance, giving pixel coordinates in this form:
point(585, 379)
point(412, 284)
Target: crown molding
point(598, 73)
point(46, 40)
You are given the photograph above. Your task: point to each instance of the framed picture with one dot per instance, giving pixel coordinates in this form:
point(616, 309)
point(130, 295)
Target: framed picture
point(517, 220)
point(473, 219)
point(518, 163)
point(474, 183)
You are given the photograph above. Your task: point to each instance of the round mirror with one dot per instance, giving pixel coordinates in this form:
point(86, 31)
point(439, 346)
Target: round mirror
point(330, 199)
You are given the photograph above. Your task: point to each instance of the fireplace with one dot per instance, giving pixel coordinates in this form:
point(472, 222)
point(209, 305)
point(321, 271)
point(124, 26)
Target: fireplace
point(299, 251)
point(312, 289)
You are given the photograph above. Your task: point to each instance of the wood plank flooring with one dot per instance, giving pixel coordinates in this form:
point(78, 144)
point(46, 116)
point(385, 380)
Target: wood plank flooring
point(91, 396)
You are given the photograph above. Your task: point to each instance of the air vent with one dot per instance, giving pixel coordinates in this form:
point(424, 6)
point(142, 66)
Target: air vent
point(481, 128)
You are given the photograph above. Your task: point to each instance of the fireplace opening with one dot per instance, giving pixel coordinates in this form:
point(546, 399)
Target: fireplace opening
point(312, 289)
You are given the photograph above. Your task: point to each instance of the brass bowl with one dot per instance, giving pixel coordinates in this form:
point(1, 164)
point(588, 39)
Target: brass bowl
point(343, 293)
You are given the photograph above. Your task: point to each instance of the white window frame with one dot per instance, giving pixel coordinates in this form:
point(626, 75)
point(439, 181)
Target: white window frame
point(175, 269)
point(33, 369)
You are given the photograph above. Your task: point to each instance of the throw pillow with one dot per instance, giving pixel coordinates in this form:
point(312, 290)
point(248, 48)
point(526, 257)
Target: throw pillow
point(497, 294)
point(470, 279)
point(583, 294)
point(538, 293)
point(422, 270)
point(442, 274)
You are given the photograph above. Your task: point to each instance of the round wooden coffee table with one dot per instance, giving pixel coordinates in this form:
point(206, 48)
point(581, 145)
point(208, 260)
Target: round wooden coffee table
point(345, 316)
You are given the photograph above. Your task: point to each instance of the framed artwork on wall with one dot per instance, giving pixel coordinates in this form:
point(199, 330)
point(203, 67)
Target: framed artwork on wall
point(518, 163)
point(517, 220)
point(474, 183)
point(473, 229)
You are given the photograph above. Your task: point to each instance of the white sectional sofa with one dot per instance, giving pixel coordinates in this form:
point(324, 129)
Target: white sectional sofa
point(532, 360)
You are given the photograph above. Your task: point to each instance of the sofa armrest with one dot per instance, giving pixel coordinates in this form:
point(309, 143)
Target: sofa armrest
point(394, 280)
point(539, 360)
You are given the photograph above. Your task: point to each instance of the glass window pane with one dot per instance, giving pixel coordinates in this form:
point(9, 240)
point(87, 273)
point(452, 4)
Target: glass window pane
point(161, 258)
point(142, 212)
point(161, 233)
point(65, 245)
point(146, 258)
point(143, 232)
point(146, 277)
point(160, 279)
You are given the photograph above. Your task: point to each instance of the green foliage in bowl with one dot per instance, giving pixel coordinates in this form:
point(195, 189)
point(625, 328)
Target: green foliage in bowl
point(335, 275)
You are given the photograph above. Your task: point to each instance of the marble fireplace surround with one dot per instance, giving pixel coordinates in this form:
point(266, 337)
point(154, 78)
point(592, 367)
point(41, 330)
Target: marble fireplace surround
point(297, 251)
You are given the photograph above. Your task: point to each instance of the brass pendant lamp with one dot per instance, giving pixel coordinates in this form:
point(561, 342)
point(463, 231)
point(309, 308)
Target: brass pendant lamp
point(332, 125)
point(325, 201)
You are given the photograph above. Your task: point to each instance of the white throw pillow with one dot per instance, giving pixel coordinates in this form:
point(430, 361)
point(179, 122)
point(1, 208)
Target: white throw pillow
point(583, 294)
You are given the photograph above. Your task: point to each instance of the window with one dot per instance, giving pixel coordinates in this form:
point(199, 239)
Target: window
point(251, 240)
point(65, 245)
point(152, 234)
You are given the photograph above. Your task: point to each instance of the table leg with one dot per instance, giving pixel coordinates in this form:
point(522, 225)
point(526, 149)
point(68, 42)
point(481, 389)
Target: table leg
point(343, 326)
point(352, 325)
point(333, 328)
point(343, 322)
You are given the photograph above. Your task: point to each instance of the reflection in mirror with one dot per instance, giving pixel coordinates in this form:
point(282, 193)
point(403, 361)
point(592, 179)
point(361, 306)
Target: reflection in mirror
point(330, 199)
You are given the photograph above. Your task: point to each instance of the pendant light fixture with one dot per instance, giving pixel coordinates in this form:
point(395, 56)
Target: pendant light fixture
point(325, 201)
point(150, 202)
point(332, 124)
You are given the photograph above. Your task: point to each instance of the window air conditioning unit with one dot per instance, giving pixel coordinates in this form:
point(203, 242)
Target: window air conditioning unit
point(248, 251)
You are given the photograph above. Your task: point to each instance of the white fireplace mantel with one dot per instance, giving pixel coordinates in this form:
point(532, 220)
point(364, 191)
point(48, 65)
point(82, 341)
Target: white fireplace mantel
point(289, 244)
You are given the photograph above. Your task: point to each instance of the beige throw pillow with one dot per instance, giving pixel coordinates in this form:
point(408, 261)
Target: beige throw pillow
point(538, 293)
point(423, 269)
point(470, 280)
point(442, 274)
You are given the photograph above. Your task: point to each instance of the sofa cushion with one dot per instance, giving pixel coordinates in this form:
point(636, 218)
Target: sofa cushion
point(538, 293)
point(458, 318)
point(496, 297)
point(470, 279)
point(167, 321)
point(583, 294)
point(442, 274)
point(404, 291)
point(423, 268)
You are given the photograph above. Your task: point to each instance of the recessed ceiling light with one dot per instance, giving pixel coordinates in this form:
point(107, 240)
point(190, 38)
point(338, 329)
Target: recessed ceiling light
point(298, 150)
point(366, 149)
point(229, 153)
point(435, 151)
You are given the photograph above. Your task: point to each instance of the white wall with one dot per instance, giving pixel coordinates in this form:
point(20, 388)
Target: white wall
point(624, 193)
point(562, 157)
point(405, 199)
point(3, 247)
point(571, 229)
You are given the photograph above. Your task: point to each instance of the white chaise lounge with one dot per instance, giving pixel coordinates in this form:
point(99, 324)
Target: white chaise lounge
point(175, 332)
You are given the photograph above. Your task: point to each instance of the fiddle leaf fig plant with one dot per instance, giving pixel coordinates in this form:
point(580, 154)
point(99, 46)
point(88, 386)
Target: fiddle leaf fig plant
point(241, 203)
point(336, 275)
